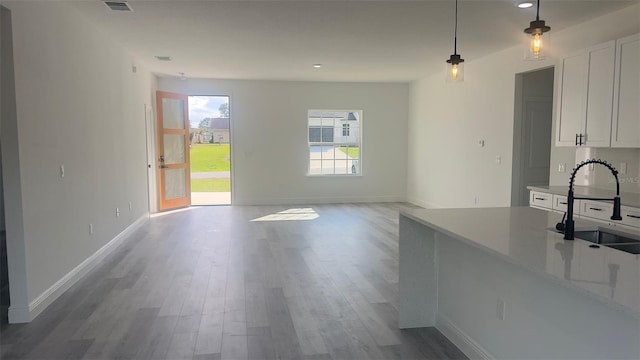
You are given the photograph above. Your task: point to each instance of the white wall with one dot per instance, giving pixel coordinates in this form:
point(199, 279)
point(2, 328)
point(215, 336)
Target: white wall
point(446, 168)
point(79, 104)
point(269, 138)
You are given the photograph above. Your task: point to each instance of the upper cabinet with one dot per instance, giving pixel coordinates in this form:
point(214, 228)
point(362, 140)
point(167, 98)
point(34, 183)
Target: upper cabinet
point(626, 109)
point(586, 97)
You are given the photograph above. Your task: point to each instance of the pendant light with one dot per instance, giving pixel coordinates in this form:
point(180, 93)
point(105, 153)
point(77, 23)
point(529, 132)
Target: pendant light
point(535, 40)
point(455, 63)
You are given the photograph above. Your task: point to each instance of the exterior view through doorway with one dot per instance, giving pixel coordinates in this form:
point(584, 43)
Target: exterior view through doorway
point(210, 150)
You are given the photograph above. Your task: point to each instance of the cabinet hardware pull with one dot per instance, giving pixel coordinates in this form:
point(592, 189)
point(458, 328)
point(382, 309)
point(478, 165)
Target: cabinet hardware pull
point(576, 139)
point(563, 203)
point(581, 136)
point(539, 198)
point(595, 209)
point(634, 216)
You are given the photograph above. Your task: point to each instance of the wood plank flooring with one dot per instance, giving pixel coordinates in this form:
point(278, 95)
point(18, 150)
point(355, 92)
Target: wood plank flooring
point(210, 283)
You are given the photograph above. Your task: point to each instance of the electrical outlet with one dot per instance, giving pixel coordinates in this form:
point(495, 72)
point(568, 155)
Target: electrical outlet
point(117, 212)
point(90, 229)
point(475, 200)
point(61, 171)
point(130, 205)
point(481, 143)
point(498, 159)
point(623, 168)
point(501, 309)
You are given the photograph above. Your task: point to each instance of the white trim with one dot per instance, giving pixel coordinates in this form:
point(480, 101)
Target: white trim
point(51, 294)
point(464, 342)
point(423, 203)
point(323, 200)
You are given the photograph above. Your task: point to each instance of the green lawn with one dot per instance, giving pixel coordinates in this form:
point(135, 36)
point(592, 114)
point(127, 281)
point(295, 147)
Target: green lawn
point(354, 153)
point(210, 157)
point(211, 185)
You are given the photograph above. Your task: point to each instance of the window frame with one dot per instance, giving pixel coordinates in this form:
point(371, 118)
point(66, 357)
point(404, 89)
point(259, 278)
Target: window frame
point(357, 144)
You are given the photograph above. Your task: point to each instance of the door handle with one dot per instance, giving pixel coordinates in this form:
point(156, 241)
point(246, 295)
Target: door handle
point(163, 166)
point(161, 158)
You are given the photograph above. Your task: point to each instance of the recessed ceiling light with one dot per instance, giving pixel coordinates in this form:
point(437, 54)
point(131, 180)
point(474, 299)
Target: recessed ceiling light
point(317, 66)
point(525, 5)
point(163, 58)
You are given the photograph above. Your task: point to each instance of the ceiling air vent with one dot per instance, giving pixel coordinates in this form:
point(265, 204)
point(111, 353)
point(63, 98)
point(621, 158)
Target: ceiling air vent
point(118, 5)
point(163, 58)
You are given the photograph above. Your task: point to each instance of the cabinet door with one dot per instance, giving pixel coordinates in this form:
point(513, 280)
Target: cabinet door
point(626, 108)
point(600, 95)
point(573, 91)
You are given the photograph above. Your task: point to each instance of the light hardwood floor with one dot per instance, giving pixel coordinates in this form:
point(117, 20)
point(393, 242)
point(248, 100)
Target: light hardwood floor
point(210, 283)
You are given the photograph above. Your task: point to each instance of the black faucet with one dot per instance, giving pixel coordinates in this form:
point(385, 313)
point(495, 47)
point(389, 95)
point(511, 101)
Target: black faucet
point(569, 224)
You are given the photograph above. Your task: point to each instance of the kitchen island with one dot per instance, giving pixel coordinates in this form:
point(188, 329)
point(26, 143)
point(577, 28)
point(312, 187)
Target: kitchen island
point(500, 284)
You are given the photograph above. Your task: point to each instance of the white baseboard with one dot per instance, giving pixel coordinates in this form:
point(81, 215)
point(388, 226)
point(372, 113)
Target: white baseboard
point(465, 343)
point(323, 200)
point(423, 203)
point(24, 314)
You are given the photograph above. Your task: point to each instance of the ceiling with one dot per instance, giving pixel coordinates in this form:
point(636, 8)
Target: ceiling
point(370, 41)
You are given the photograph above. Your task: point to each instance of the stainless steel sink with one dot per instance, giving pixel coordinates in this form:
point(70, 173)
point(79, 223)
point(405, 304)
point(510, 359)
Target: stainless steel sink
point(619, 241)
point(630, 248)
point(614, 239)
point(605, 237)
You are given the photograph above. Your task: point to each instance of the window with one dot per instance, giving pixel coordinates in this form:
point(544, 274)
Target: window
point(334, 142)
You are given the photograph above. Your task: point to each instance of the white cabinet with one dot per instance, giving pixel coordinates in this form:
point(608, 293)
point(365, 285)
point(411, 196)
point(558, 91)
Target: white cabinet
point(560, 204)
point(540, 200)
point(596, 210)
point(593, 210)
point(586, 97)
point(630, 216)
point(626, 114)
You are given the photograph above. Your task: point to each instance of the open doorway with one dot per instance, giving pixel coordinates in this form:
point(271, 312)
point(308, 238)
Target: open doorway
point(531, 133)
point(210, 150)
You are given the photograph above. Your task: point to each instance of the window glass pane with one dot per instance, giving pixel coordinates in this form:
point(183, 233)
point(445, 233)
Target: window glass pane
point(314, 134)
point(327, 167)
point(328, 122)
point(174, 152)
point(341, 166)
point(315, 152)
point(315, 167)
point(172, 114)
point(175, 183)
point(327, 134)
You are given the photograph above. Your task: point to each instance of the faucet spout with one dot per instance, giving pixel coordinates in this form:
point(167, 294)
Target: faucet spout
point(569, 226)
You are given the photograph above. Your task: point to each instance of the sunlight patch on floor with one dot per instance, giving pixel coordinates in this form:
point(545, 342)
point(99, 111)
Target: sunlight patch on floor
point(291, 214)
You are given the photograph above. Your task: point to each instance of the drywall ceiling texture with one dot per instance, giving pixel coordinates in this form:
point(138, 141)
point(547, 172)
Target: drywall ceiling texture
point(79, 104)
point(269, 139)
point(451, 118)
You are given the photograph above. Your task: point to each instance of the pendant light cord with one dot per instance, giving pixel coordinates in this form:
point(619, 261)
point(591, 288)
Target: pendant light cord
point(455, 31)
point(537, 10)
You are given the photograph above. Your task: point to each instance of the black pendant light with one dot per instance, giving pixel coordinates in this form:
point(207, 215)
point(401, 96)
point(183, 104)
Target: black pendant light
point(455, 63)
point(536, 30)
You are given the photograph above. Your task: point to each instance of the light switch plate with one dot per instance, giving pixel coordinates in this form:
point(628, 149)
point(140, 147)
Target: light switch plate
point(562, 167)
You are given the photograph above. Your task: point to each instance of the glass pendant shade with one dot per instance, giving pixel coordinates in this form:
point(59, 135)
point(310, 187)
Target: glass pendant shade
point(455, 69)
point(455, 64)
point(536, 38)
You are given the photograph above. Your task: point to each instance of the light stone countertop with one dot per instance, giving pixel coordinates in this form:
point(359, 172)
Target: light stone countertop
point(626, 198)
point(520, 235)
